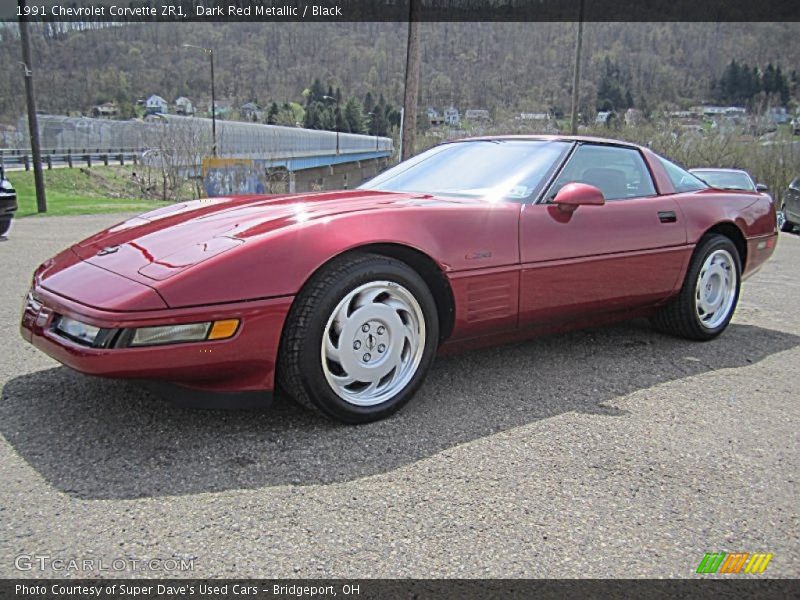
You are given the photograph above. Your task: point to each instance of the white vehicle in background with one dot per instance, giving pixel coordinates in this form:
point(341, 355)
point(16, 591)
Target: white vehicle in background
point(735, 179)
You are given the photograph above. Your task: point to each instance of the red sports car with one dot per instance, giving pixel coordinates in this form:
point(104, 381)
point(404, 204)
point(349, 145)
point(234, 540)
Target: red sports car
point(343, 298)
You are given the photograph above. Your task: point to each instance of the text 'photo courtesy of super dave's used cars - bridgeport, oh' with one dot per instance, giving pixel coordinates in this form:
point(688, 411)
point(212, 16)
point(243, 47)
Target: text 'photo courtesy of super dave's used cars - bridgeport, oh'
point(342, 299)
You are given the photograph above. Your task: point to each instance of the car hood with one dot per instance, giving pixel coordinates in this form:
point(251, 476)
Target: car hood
point(169, 240)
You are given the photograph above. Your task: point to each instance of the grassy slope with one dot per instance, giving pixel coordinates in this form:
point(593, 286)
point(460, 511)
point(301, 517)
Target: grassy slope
point(81, 191)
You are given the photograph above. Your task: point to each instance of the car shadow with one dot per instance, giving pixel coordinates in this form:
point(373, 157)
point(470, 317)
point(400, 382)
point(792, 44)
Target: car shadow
point(103, 439)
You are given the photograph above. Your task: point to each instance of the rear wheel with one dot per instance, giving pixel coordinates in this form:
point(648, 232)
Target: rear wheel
point(5, 225)
point(709, 295)
point(359, 339)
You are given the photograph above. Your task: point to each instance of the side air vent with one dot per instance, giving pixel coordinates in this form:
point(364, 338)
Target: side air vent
point(490, 298)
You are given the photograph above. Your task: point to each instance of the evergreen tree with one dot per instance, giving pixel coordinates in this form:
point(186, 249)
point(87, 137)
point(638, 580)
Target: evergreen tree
point(272, 114)
point(339, 121)
point(768, 81)
point(612, 92)
point(628, 99)
point(782, 86)
point(312, 118)
point(316, 92)
point(353, 116)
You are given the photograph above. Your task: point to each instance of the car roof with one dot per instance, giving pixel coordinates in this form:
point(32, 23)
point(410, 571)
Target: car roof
point(551, 138)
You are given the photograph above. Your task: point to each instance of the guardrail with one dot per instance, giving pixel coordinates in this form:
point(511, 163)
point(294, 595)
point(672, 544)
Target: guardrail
point(10, 157)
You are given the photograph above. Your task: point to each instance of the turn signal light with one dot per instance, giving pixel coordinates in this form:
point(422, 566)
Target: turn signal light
point(221, 330)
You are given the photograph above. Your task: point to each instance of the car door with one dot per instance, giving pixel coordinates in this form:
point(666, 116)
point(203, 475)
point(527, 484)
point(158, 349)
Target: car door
point(791, 202)
point(623, 254)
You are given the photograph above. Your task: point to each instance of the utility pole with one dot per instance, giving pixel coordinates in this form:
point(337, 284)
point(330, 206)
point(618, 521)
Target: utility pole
point(33, 125)
point(213, 107)
point(409, 129)
point(210, 52)
point(576, 79)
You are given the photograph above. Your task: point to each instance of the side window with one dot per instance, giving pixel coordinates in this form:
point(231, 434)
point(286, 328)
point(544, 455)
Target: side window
point(619, 173)
point(682, 180)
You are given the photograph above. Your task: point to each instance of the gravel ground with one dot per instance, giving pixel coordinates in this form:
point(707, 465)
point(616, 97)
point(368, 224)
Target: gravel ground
point(614, 452)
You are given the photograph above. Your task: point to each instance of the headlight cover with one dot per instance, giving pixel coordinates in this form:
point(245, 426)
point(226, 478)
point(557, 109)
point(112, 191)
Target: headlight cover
point(188, 332)
point(77, 330)
point(170, 334)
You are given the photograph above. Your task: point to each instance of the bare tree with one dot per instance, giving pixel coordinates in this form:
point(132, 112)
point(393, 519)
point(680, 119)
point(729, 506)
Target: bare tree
point(176, 151)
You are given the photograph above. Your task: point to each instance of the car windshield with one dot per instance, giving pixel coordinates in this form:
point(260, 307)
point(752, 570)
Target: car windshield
point(494, 170)
point(725, 180)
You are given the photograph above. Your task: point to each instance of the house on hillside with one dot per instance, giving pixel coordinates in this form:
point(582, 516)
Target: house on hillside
point(778, 115)
point(452, 117)
point(106, 110)
point(250, 111)
point(222, 108)
point(606, 118)
point(476, 115)
point(184, 106)
point(434, 116)
point(156, 105)
point(530, 116)
point(633, 117)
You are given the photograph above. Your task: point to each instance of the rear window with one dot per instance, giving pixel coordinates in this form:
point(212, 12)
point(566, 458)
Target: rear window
point(681, 179)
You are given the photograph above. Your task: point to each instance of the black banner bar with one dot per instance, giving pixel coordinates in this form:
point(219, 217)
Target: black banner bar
point(367, 589)
point(398, 10)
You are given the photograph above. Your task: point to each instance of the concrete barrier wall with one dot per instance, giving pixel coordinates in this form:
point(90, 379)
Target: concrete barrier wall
point(227, 176)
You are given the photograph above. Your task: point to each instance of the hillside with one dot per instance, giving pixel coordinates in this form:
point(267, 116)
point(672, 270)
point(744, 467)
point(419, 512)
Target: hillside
point(500, 66)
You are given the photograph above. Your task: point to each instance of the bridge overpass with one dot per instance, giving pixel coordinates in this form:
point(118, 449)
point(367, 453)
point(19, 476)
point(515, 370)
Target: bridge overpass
point(250, 157)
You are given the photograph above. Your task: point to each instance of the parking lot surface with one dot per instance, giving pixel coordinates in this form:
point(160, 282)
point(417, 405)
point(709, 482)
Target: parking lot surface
point(613, 452)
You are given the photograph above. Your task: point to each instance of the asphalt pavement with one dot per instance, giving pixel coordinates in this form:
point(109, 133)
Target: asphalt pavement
point(613, 452)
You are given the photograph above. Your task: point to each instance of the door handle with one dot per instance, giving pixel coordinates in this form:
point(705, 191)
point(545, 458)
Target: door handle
point(667, 216)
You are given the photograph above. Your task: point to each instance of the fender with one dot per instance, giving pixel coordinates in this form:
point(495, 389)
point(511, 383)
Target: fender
point(279, 261)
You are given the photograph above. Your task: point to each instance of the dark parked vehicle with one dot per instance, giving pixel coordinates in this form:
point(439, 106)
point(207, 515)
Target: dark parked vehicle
point(8, 203)
point(791, 206)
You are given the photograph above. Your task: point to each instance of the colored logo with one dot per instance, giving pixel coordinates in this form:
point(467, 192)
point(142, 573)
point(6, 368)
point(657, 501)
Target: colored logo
point(734, 562)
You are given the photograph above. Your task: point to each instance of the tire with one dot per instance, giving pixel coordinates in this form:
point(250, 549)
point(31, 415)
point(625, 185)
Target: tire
point(691, 316)
point(5, 225)
point(359, 338)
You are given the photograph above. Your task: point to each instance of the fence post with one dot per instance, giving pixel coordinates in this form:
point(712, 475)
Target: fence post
point(135, 159)
point(105, 159)
point(69, 158)
point(89, 160)
point(121, 159)
point(49, 162)
point(25, 162)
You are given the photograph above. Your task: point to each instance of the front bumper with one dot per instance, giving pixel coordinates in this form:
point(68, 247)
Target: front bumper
point(244, 362)
point(8, 206)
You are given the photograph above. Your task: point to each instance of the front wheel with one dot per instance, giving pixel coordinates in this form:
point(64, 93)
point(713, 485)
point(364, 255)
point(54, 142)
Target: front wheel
point(5, 225)
point(783, 224)
point(709, 295)
point(359, 339)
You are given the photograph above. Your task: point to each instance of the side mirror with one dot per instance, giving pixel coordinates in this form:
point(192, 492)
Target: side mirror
point(762, 187)
point(573, 195)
